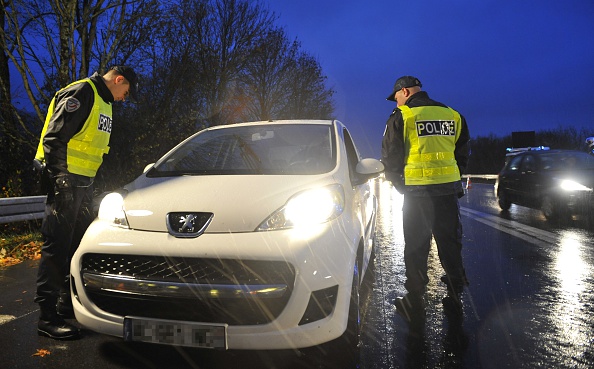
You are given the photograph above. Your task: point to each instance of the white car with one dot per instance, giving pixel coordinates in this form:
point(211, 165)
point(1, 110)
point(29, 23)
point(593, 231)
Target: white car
point(246, 236)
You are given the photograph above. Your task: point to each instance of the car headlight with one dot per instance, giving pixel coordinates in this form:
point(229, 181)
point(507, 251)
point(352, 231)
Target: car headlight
point(309, 207)
point(112, 210)
point(569, 185)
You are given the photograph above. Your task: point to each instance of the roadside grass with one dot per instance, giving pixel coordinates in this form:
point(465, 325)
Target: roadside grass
point(19, 241)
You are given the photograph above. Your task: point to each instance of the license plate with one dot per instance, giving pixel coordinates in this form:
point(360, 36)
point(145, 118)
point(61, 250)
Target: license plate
point(177, 333)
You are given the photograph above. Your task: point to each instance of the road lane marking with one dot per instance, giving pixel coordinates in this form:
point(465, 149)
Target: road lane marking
point(9, 318)
point(6, 318)
point(525, 232)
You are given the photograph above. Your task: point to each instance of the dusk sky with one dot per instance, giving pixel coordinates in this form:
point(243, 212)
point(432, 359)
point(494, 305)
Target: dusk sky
point(506, 65)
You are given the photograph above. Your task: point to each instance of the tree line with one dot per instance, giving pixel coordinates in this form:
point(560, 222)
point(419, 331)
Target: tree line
point(201, 63)
point(488, 152)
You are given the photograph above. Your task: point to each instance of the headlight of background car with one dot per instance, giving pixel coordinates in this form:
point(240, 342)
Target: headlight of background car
point(112, 210)
point(309, 207)
point(569, 185)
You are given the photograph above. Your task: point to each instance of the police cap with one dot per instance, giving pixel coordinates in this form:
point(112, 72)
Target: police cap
point(403, 82)
point(131, 77)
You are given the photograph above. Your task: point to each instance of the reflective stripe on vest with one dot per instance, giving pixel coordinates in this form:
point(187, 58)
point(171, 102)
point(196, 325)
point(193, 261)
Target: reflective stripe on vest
point(87, 147)
point(430, 135)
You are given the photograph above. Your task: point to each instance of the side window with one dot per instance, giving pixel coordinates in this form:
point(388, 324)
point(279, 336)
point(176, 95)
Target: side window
point(571, 162)
point(352, 153)
point(547, 162)
point(514, 163)
point(529, 164)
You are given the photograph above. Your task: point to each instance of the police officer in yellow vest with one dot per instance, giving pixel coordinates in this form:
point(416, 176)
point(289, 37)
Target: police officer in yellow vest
point(73, 141)
point(425, 148)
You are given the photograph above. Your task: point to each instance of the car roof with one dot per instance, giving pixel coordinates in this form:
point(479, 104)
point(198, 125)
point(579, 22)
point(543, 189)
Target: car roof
point(327, 122)
point(548, 152)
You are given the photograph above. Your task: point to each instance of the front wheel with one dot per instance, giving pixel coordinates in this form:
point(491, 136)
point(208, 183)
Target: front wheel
point(551, 209)
point(503, 200)
point(343, 352)
point(354, 324)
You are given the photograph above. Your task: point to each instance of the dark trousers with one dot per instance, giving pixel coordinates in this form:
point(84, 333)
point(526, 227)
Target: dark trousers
point(63, 227)
point(437, 216)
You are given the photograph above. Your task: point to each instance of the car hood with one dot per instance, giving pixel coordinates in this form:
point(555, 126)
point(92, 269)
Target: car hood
point(239, 203)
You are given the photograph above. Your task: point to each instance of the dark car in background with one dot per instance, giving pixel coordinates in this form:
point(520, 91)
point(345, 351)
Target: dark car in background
point(559, 182)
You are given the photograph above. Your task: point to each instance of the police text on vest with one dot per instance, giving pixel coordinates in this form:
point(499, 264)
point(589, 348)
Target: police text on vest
point(436, 128)
point(104, 123)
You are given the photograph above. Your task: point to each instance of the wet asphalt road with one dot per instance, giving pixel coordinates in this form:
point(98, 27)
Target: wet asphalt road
point(529, 305)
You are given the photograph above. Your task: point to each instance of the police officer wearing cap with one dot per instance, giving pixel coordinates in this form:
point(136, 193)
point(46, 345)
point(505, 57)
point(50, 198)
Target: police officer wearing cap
point(425, 148)
point(73, 141)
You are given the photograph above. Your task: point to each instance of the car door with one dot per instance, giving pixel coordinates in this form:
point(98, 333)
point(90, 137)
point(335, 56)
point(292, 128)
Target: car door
point(510, 178)
point(364, 203)
point(527, 183)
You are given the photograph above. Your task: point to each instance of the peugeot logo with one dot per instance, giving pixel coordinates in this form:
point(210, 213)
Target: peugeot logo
point(188, 224)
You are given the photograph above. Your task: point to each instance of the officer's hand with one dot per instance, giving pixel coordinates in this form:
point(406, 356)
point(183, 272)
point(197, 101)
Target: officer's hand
point(397, 181)
point(62, 182)
point(460, 189)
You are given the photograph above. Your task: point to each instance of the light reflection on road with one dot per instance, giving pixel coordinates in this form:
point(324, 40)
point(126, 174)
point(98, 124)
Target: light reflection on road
point(390, 209)
point(569, 308)
point(557, 331)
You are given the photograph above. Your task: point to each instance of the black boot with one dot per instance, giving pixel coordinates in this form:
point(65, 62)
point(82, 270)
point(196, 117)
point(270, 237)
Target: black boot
point(453, 308)
point(64, 306)
point(52, 325)
point(452, 303)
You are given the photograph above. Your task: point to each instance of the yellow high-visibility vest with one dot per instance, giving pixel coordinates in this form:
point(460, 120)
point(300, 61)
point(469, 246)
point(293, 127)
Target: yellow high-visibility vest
point(87, 147)
point(430, 135)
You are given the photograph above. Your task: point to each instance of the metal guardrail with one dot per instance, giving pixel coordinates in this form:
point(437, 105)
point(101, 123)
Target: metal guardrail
point(15, 209)
point(482, 176)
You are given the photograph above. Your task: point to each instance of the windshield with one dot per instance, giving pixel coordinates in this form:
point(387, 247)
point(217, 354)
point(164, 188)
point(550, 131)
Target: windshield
point(567, 161)
point(247, 150)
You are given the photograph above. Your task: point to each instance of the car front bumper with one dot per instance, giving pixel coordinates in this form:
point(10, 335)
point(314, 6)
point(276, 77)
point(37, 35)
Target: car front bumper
point(578, 202)
point(264, 309)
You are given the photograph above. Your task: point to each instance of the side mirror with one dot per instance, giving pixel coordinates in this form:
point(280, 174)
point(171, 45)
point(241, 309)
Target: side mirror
point(367, 169)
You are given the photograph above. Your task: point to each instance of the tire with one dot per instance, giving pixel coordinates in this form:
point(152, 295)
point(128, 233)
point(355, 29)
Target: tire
point(352, 335)
point(551, 209)
point(343, 352)
point(503, 200)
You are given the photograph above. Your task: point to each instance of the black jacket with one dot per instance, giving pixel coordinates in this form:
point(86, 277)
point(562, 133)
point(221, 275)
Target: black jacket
point(67, 122)
point(393, 151)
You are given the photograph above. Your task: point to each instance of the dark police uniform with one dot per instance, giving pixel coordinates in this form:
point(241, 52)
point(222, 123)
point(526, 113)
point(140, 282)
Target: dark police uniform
point(74, 138)
point(425, 148)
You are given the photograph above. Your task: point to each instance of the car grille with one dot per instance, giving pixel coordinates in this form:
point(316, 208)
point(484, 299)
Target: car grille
point(201, 307)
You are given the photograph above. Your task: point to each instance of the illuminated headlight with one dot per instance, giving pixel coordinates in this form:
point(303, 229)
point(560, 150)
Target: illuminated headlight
point(310, 207)
point(569, 185)
point(112, 210)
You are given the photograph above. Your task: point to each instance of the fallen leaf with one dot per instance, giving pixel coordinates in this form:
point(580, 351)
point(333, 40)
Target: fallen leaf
point(41, 352)
point(8, 261)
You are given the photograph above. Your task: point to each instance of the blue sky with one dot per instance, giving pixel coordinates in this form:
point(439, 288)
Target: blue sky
point(506, 65)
